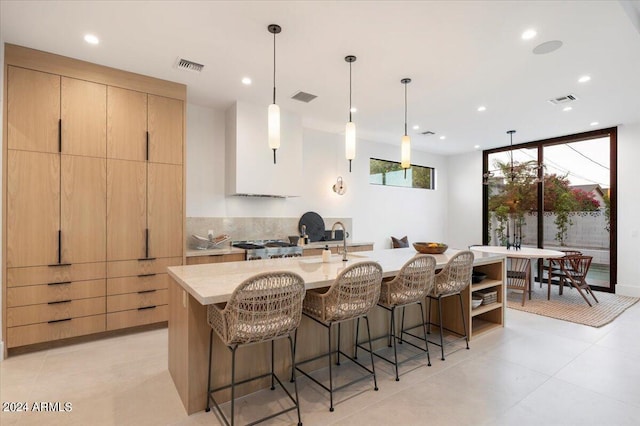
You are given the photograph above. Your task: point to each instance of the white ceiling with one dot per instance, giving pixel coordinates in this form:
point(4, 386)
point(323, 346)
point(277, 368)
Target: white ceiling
point(460, 55)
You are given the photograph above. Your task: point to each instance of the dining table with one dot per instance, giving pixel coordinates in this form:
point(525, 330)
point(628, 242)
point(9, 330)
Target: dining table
point(531, 253)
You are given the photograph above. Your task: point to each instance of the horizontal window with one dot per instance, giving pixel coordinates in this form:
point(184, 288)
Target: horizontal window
point(390, 173)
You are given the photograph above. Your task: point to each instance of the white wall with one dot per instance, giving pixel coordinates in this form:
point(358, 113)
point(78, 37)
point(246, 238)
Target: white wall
point(377, 212)
point(464, 208)
point(628, 210)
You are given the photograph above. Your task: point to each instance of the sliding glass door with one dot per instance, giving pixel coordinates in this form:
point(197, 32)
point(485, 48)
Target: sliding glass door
point(557, 193)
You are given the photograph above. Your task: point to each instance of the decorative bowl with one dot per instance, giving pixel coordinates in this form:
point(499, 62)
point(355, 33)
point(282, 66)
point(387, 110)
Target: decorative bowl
point(430, 248)
point(476, 301)
point(477, 277)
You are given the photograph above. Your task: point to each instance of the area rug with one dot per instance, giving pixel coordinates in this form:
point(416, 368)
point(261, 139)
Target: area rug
point(571, 306)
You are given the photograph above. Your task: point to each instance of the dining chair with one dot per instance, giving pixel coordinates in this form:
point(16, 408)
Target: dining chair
point(553, 266)
point(576, 269)
point(519, 275)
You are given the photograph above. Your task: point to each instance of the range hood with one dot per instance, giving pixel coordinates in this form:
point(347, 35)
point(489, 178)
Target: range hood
point(250, 170)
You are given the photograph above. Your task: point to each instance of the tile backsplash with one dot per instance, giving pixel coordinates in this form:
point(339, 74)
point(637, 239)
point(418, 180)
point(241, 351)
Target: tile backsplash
point(251, 228)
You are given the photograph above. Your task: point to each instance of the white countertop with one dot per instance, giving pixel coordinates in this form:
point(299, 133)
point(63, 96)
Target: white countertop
point(524, 252)
point(214, 282)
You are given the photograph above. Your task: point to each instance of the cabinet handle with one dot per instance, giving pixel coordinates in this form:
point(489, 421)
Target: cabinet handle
point(60, 135)
point(147, 154)
point(145, 275)
point(60, 301)
point(60, 320)
point(59, 245)
point(60, 283)
point(142, 259)
point(147, 307)
point(146, 243)
point(54, 265)
point(146, 291)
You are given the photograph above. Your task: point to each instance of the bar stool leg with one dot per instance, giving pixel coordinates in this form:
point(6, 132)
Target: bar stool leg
point(402, 324)
point(373, 367)
point(464, 322)
point(441, 327)
point(273, 385)
point(293, 367)
point(355, 350)
point(424, 329)
point(429, 298)
point(338, 351)
point(233, 383)
point(393, 337)
point(330, 372)
point(209, 374)
point(292, 346)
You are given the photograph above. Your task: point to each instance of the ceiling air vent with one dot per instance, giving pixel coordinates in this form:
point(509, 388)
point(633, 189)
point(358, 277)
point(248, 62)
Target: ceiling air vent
point(563, 99)
point(427, 133)
point(303, 97)
point(184, 64)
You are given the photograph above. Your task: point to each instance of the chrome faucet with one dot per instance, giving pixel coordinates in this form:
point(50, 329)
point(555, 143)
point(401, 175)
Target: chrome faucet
point(344, 238)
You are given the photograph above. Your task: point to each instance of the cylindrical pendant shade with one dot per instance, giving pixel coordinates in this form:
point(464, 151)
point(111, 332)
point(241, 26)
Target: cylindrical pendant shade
point(405, 152)
point(274, 126)
point(350, 140)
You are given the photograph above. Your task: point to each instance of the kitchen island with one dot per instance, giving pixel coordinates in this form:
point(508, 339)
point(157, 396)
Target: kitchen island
point(196, 286)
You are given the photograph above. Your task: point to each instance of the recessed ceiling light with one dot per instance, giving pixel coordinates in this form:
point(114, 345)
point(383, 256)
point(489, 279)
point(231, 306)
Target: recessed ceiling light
point(594, 123)
point(476, 146)
point(246, 81)
point(567, 109)
point(482, 108)
point(353, 109)
point(529, 34)
point(416, 127)
point(584, 79)
point(443, 137)
point(91, 39)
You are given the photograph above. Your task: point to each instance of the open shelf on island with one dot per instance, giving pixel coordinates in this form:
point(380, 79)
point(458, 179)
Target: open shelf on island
point(485, 308)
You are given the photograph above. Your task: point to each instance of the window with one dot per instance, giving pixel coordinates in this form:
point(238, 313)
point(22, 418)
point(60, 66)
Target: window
point(390, 173)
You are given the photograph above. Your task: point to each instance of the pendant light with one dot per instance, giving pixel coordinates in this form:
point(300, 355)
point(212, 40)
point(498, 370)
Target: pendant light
point(350, 129)
point(405, 146)
point(274, 110)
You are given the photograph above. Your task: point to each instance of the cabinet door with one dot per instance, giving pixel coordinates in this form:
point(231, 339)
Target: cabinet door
point(126, 124)
point(84, 117)
point(83, 207)
point(165, 210)
point(33, 110)
point(165, 130)
point(126, 209)
point(33, 208)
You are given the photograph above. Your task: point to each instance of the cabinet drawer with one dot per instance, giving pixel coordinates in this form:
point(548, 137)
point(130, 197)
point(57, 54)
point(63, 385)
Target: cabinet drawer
point(137, 317)
point(36, 333)
point(33, 314)
point(126, 268)
point(123, 302)
point(39, 294)
point(135, 284)
point(17, 277)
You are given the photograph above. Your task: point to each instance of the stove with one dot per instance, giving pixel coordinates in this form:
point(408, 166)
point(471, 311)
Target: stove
point(268, 249)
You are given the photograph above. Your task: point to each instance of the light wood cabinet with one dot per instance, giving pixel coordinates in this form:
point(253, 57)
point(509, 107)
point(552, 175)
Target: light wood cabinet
point(33, 110)
point(94, 187)
point(165, 130)
point(83, 206)
point(126, 124)
point(126, 209)
point(83, 111)
point(215, 258)
point(33, 208)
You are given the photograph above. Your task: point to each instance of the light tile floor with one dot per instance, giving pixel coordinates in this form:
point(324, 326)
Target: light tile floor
point(536, 370)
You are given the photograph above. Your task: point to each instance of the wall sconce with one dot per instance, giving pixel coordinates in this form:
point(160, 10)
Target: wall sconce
point(339, 187)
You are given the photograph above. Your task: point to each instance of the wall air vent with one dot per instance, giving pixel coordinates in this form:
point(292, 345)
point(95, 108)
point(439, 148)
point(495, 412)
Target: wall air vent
point(427, 133)
point(563, 99)
point(303, 97)
point(184, 64)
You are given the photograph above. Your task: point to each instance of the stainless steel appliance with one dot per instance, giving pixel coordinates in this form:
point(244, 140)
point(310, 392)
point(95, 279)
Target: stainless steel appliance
point(268, 249)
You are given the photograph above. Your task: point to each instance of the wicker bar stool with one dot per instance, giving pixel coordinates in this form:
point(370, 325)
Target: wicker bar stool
point(263, 308)
point(450, 281)
point(409, 287)
point(353, 293)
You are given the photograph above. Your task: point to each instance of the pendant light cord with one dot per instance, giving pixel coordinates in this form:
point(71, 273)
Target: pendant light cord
point(350, 92)
point(405, 109)
point(274, 67)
